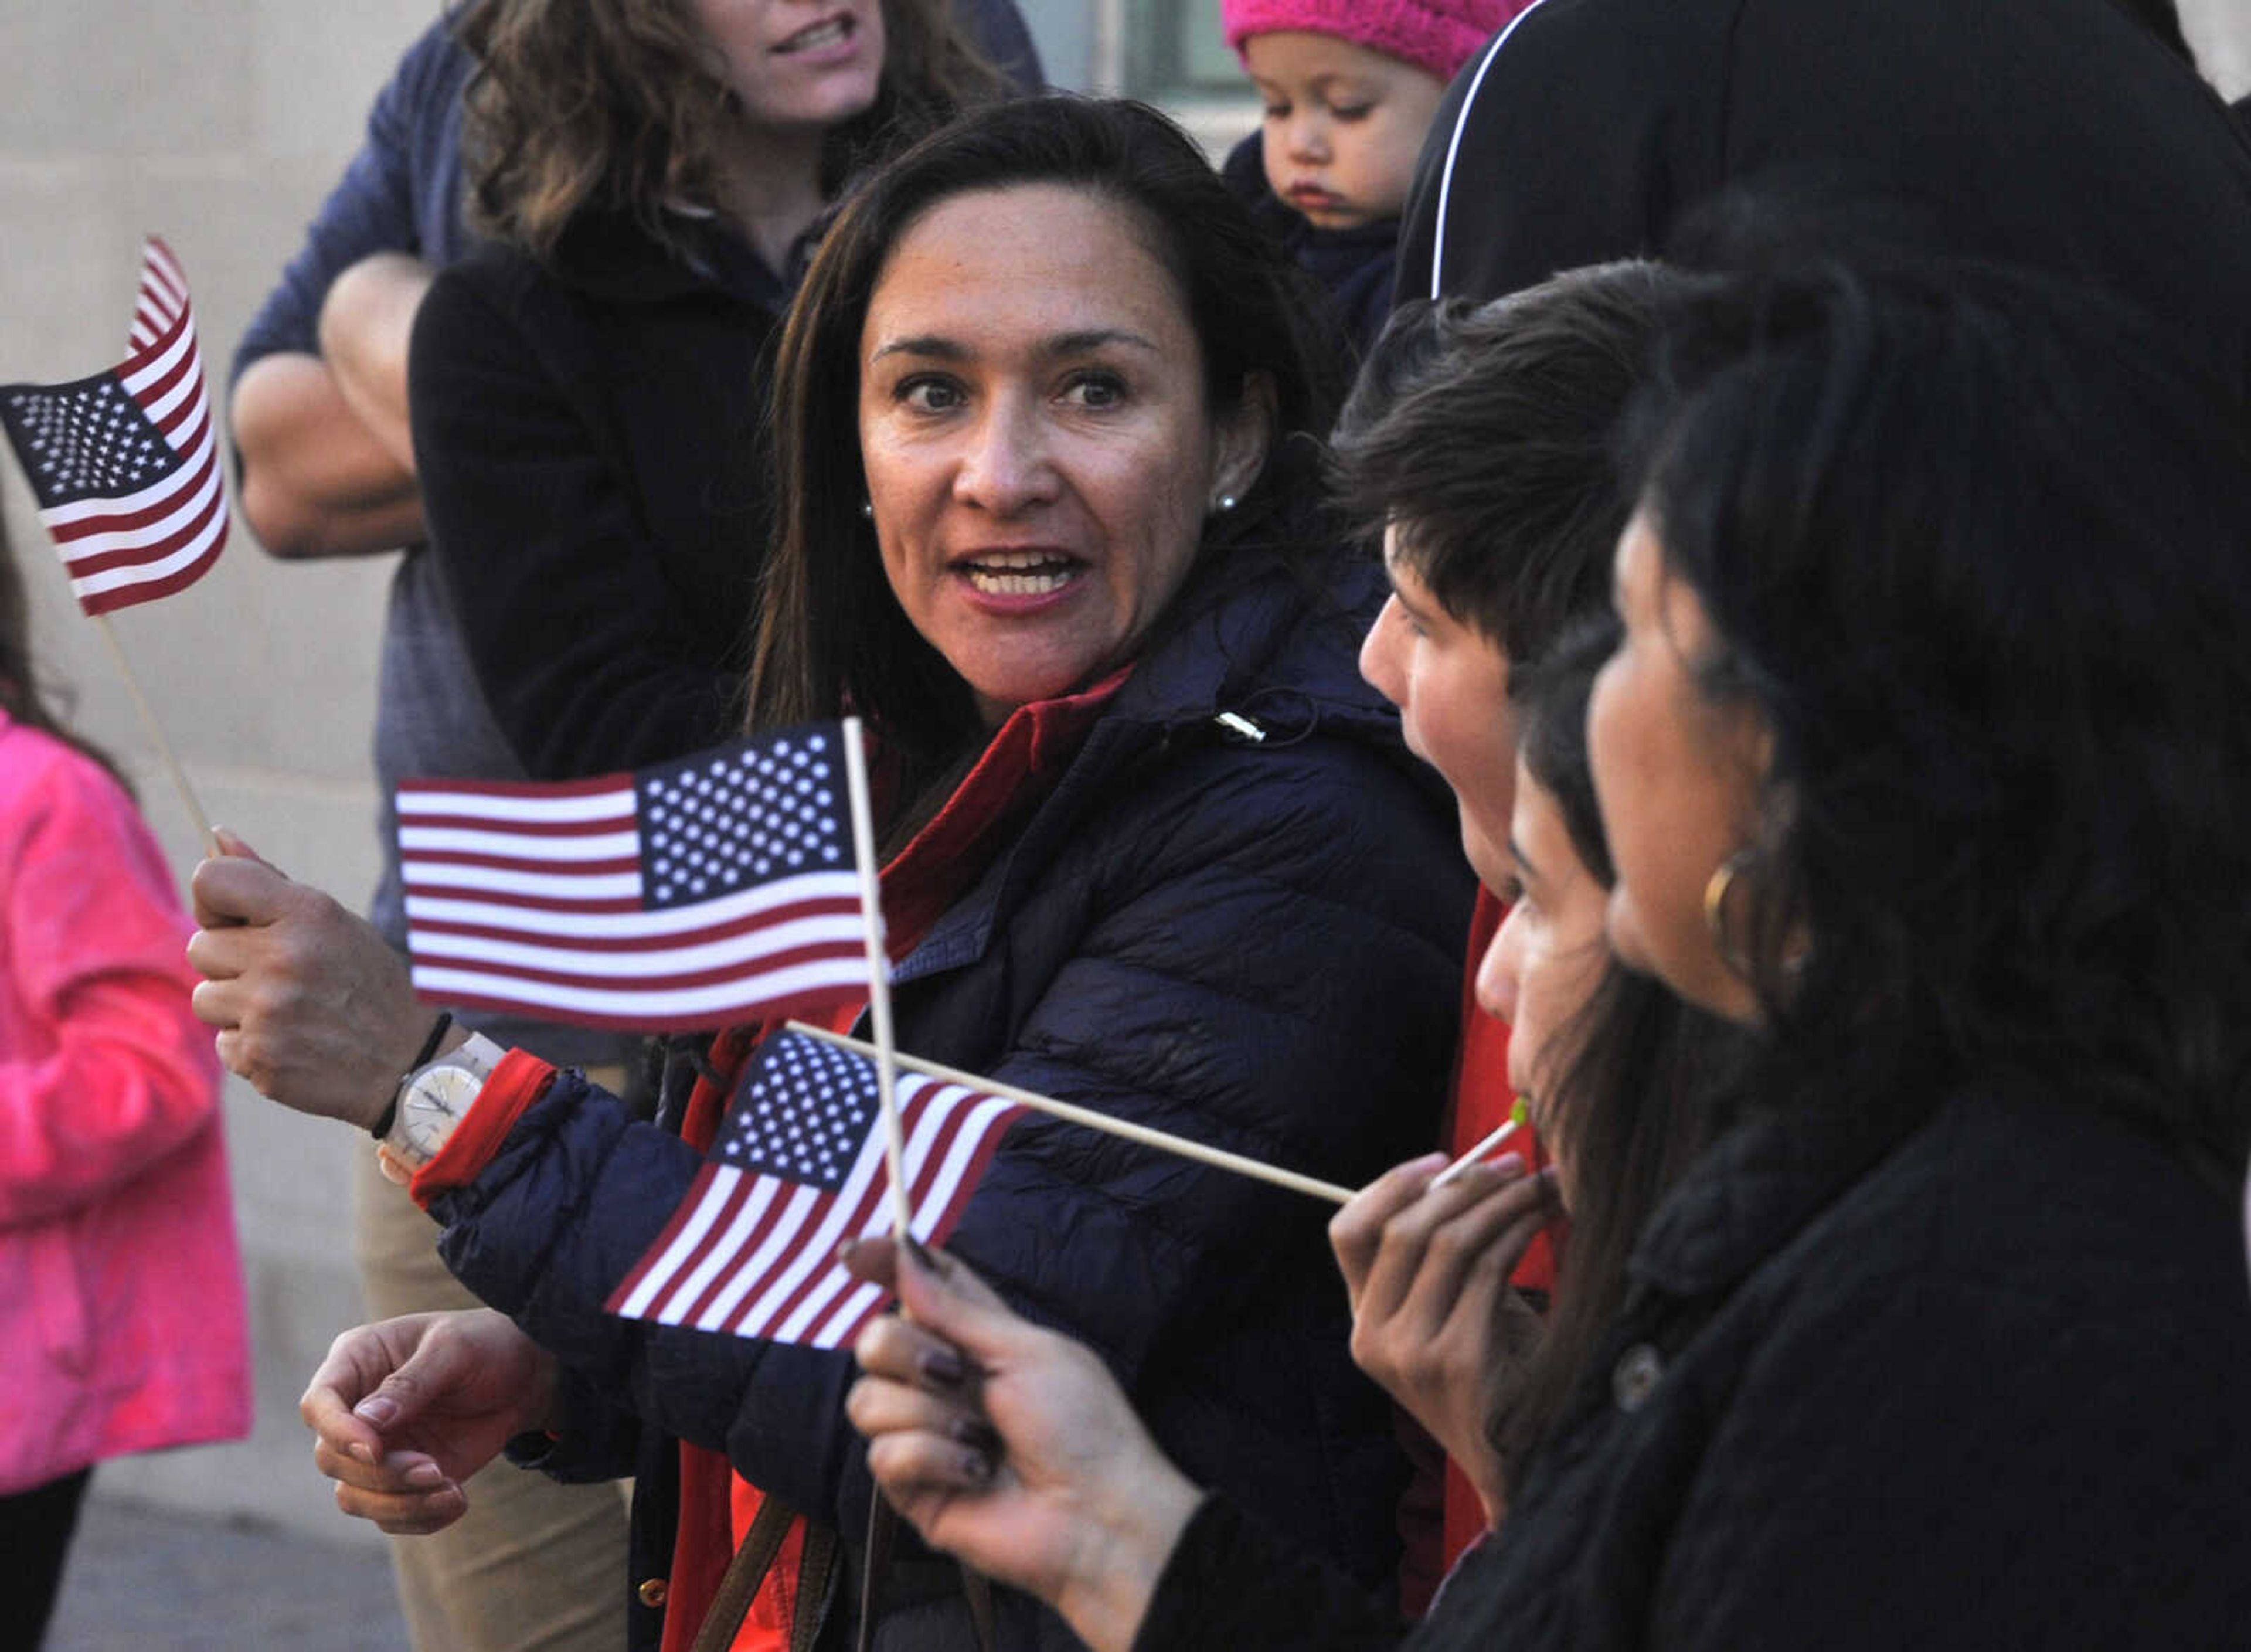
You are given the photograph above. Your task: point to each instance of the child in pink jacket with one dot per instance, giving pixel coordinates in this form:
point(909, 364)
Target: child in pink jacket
point(121, 1292)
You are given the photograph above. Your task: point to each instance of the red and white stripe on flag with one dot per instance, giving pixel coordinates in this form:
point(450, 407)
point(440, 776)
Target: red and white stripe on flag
point(797, 1168)
point(125, 465)
point(687, 895)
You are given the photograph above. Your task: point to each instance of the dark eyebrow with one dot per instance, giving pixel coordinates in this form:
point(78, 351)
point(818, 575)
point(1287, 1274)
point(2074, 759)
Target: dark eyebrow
point(923, 344)
point(1094, 338)
point(1084, 343)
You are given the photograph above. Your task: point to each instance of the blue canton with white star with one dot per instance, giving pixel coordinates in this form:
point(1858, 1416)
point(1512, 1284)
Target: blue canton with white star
point(802, 1112)
point(721, 822)
point(84, 441)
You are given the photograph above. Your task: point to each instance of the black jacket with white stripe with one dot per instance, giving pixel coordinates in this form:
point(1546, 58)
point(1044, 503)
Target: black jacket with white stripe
point(2053, 133)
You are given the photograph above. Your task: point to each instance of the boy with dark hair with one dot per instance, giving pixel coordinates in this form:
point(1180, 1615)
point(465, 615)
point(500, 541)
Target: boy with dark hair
point(1477, 448)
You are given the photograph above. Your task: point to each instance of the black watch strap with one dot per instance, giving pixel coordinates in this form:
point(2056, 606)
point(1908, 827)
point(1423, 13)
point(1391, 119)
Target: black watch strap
point(428, 1052)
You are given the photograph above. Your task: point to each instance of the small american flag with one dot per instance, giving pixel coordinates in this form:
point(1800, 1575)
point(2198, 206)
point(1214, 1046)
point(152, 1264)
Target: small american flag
point(125, 464)
point(797, 1168)
point(684, 896)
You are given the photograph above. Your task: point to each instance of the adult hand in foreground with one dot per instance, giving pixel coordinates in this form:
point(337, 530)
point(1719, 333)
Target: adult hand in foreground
point(403, 1412)
point(1433, 1318)
point(1012, 1448)
point(313, 1006)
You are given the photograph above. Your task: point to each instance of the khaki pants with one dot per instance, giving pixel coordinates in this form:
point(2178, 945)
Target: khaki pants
point(533, 1566)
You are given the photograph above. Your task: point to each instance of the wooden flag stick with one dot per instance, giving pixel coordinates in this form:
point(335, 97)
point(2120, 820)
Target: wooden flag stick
point(1517, 1114)
point(1164, 1141)
point(156, 734)
point(879, 977)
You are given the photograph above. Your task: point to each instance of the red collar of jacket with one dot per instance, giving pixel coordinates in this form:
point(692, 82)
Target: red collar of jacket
point(1024, 756)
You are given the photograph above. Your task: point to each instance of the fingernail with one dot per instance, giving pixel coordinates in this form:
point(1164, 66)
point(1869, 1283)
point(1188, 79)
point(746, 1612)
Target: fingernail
point(846, 1250)
point(1509, 1166)
point(976, 1466)
point(377, 1411)
point(975, 1431)
point(941, 1367)
point(426, 1474)
point(360, 1451)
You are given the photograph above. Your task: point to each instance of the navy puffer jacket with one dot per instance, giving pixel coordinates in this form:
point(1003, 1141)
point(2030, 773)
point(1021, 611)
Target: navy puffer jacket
point(1256, 944)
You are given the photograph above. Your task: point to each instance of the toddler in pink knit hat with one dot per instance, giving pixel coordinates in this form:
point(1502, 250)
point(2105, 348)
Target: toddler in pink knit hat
point(1349, 88)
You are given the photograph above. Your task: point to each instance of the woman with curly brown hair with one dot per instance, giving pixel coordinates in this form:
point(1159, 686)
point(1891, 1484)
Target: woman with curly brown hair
point(585, 394)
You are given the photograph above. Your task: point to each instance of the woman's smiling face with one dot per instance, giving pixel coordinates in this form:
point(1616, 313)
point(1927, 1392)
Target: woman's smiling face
point(1039, 454)
point(797, 63)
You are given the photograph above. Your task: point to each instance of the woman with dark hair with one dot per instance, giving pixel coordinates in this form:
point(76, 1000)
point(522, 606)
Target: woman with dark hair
point(121, 1322)
point(1614, 1074)
point(1632, 1078)
point(1043, 414)
point(838, 631)
point(1923, 758)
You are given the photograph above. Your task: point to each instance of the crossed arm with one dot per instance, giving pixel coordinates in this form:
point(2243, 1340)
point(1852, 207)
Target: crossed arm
point(328, 463)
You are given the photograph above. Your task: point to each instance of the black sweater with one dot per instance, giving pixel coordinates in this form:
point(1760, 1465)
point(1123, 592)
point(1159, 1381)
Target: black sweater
point(1983, 1387)
point(585, 433)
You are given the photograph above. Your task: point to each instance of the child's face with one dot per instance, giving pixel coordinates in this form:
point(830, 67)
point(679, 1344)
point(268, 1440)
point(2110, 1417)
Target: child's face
point(1342, 125)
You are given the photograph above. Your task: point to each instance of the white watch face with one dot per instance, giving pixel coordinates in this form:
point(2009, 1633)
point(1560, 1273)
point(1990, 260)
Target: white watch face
point(432, 1106)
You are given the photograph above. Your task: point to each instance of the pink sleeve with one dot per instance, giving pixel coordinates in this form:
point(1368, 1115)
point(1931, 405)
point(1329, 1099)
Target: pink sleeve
point(103, 1067)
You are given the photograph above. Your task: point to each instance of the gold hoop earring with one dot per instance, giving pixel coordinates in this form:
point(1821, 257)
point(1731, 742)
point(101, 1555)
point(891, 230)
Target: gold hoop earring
point(1717, 887)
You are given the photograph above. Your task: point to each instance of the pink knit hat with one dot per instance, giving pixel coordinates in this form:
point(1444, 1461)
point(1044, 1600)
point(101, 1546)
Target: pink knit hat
point(1437, 35)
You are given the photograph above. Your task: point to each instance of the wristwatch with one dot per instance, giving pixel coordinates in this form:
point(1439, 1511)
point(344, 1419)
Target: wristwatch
point(432, 1099)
